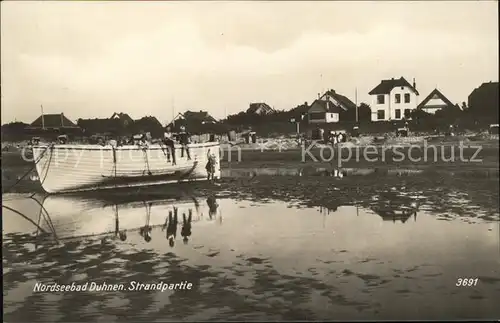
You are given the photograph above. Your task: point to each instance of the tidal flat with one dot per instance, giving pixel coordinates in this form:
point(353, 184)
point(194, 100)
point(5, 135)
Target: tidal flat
point(284, 243)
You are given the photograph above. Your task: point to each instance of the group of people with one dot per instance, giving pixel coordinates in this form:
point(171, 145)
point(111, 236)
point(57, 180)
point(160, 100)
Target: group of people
point(169, 139)
point(333, 137)
point(171, 224)
point(336, 138)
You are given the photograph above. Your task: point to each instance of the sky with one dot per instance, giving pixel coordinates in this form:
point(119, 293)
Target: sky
point(90, 59)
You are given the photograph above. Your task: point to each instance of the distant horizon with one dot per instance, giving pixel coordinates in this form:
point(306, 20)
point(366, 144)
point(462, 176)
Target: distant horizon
point(168, 121)
point(90, 59)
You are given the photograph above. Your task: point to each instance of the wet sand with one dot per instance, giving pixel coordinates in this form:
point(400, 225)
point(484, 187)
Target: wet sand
point(261, 259)
point(292, 241)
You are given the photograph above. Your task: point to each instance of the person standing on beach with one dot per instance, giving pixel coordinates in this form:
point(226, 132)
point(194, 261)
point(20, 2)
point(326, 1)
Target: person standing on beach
point(210, 167)
point(168, 140)
point(184, 139)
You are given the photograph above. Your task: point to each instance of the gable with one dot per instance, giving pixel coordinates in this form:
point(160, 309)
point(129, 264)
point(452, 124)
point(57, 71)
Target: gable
point(122, 116)
point(435, 99)
point(323, 106)
point(317, 106)
point(259, 108)
point(434, 102)
point(338, 100)
point(333, 100)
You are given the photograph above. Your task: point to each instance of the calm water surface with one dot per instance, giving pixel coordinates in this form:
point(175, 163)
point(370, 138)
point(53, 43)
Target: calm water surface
point(246, 260)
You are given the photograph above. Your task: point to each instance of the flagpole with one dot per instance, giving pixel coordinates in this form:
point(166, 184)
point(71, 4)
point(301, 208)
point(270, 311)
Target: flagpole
point(173, 107)
point(43, 121)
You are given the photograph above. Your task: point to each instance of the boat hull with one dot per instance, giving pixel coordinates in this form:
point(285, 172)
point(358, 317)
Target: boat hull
point(70, 168)
point(68, 216)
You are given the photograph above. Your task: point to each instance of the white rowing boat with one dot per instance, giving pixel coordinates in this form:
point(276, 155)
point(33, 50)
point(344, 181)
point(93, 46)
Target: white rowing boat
point(66, 168)
point(69, 217)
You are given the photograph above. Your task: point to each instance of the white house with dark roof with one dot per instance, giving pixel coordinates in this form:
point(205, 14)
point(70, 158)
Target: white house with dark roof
point(434, 102)
point(393, 99)
point(329, 108)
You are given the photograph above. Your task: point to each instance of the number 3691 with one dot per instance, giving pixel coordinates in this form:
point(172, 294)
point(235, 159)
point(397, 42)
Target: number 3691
point(466, 282)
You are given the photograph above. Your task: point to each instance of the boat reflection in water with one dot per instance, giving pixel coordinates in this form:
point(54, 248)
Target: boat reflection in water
point(392, 206)
point(69, 217)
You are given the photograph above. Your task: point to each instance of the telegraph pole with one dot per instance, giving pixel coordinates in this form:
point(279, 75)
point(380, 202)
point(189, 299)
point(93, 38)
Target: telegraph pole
point(356, 99)
point(43, 119)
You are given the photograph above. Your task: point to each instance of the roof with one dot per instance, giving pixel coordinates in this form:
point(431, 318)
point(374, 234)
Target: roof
point(14, 125)
point(121, 115)
point(327, 106)
point(148, 120)
point(53, 121)
point(255, 106)
point(148, 124)
point(386, 86)
point(345, 101)
point(486, 87)
point(437, 93)
point(99, 125)
point(299, 110)
point(201, 116)
point(490, 86)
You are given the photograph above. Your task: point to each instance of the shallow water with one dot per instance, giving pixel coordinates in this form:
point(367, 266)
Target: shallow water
point(247, 260)
point(350, 171)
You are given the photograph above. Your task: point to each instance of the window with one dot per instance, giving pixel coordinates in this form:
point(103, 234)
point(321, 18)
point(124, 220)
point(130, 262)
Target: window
point(398, 98)
point(380, 99)
point(407, 97)
point(380, 114)
point(407, 113)
point(334, 117)
point(398, 113)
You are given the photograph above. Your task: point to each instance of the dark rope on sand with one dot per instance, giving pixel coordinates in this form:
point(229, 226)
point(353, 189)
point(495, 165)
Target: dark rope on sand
point(25, 217)
point(47, 218)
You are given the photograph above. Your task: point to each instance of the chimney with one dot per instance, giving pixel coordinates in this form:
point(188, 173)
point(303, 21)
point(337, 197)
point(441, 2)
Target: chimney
point(414, 84)
point(305, 103)
point(319, 95)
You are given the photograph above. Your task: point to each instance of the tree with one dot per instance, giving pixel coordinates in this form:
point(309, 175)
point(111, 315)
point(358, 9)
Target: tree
point(364, 112)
